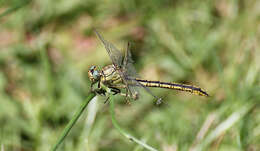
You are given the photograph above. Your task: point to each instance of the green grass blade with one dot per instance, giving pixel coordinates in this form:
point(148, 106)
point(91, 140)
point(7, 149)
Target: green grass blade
point(73, 121)
point(14, 8)
point(123, 132)
point(224, 126)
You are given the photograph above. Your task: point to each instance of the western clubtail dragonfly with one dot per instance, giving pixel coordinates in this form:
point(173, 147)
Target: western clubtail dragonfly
point(121, 75)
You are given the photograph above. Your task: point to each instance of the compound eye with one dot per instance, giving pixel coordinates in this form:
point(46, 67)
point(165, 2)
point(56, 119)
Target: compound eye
point(92, 68)
point(95, 74)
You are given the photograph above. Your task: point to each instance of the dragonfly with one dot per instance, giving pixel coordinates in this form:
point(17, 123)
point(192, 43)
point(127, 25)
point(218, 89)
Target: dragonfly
point(120, 77)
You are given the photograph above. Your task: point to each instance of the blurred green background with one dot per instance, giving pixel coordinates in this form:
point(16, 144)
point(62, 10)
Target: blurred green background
point(47, 47)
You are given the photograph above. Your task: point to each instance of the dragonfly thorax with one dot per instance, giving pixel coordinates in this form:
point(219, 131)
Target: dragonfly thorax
point(110, 76)
point(94, 74)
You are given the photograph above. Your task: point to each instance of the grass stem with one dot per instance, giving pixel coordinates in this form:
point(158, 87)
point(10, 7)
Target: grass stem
point(73, 121)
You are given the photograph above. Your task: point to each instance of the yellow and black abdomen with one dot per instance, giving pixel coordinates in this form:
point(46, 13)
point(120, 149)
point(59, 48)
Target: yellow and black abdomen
point(175, 86)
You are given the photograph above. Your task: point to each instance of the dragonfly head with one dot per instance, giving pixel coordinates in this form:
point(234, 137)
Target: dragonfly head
point(93, 74)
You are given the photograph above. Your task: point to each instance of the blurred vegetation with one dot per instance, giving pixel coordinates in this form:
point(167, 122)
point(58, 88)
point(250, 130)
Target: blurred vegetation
point(46, 48)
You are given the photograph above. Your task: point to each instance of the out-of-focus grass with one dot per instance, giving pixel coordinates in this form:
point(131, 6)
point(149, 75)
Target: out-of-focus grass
point(46, 48)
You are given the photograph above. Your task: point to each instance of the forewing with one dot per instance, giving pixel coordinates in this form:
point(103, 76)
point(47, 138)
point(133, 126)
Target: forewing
point(129, 72)
point(128, 66)
point(117, 59)
point(114, 54)
point(130, 75)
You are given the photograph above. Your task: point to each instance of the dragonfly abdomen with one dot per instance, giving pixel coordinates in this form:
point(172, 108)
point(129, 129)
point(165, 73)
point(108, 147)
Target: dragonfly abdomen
point(175, 86)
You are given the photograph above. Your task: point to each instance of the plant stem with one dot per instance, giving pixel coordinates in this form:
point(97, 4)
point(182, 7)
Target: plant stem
point(73, 121)
point(121, 131)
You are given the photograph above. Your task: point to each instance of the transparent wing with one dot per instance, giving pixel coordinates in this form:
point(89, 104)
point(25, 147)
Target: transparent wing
point(117, 59)
point(114, 54)
point(124, 66)
point(129, 72)
point(128, 66)
point(131, 75)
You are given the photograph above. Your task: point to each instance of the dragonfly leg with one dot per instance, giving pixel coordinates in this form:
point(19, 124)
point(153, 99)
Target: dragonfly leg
point(106, 100)
point(126, 93)
point(98, 90)
point(127, 96)
point(115, 90)
point(101, 92)
point(118, 91)
point(123, 94)
point(99, 85)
